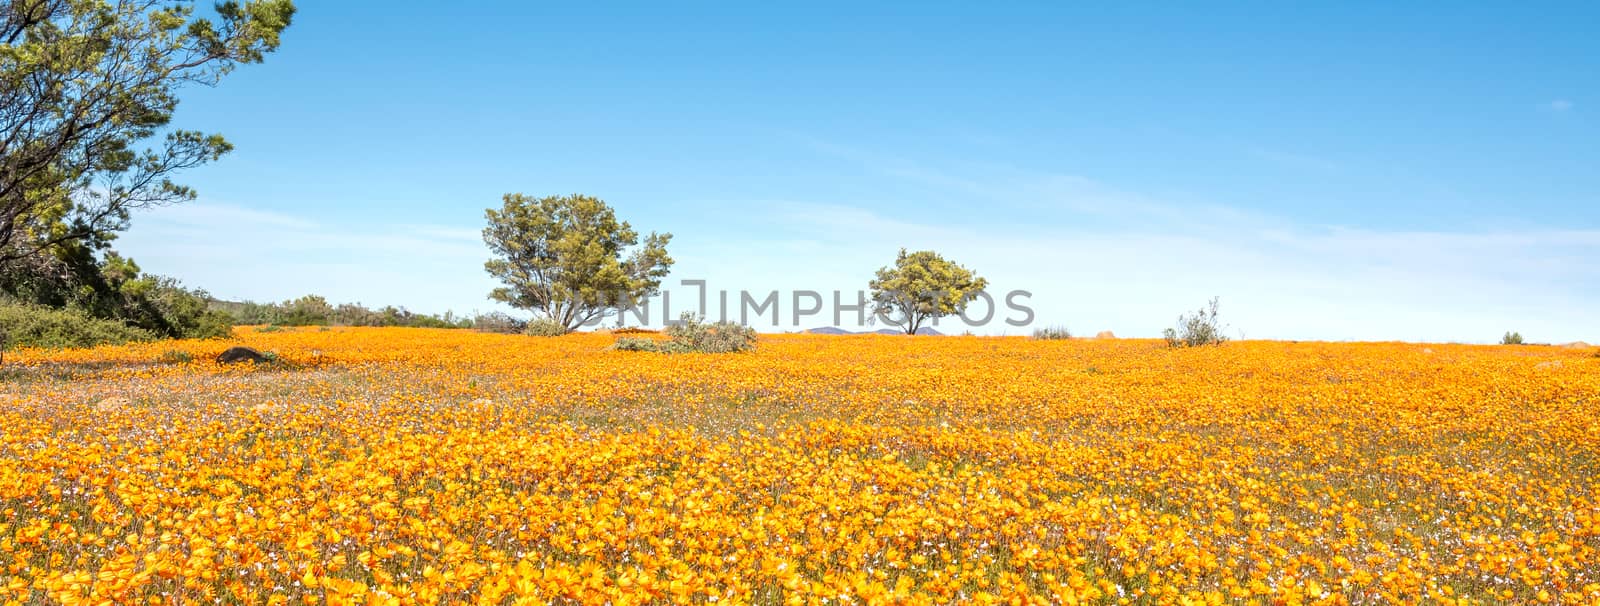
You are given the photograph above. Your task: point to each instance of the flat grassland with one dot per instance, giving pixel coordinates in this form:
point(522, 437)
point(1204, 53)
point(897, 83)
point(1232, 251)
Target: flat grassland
point(413, 466)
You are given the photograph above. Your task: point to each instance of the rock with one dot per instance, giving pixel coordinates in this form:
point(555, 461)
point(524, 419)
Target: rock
point(1576, 345)
point(1105, 334)
point(1548, 364)
point(240, 354)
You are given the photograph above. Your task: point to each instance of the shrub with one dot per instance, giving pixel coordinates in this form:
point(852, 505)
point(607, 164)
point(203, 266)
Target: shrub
point(310, 310)
point(313, 310)
point(1201, 328)
point(176, 356)
point(1511, 338)
point(691, 334)
point(637, 344)
point(1052, 333)
point(499, 322)
point(544, 327)
point(36, 326)
point(101, 284)
point(211, 325)
point(171, 310)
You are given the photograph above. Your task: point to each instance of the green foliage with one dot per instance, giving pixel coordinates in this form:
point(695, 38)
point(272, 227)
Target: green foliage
point(499, 322)
point(544, 327)
point(112, 287)
point(1201, 328)
point(401, 317)
point(314, 310)
point(923, 285)
point(1052, 333)
point(182, 313)
point(638, 344)
point(176, 356)
point(28, 325)
point(692, 335)
point(1511, 338)
point(83, 83)
point(563, 256)
point(310, 310)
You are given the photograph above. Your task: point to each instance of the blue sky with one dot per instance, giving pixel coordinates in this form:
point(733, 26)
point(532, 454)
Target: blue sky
point(1351, 171)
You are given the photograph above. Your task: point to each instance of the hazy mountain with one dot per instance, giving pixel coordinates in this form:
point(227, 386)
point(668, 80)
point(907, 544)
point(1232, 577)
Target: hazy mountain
point(834, 330)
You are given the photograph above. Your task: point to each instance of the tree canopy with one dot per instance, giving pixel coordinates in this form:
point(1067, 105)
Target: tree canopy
point(563, 256)
point(83, 83)
point(923, 285)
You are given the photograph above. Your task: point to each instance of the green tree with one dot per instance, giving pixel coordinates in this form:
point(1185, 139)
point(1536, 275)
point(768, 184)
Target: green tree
point(563, 256)
point(83, 83)
point(923, 285)
point(310, 310)
point(111, 287)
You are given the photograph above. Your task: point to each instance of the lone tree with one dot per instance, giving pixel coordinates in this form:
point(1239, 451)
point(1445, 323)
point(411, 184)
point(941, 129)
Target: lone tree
point(923, 285)
point(563, 256)
point(82, 83)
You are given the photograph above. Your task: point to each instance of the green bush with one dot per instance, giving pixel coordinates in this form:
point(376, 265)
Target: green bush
point(1051, 333)
point(170, 310)
point(1201, 328)
point(691, 335)
point(544, 327)
point(498, 322)
point(1511, 338)
point(35, 326)
point(313, 310)
point(638, 344)
point(99, 283)
point(310, 310)
point(176, 356)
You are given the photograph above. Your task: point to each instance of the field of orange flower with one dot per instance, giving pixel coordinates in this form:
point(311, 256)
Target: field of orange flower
point(410, 466)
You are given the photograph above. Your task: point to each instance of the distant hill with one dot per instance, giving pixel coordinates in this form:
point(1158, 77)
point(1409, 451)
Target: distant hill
point(834, 330)
point(830, 330)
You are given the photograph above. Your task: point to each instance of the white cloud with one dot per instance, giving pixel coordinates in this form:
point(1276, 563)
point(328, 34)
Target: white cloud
point(1559, 105)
